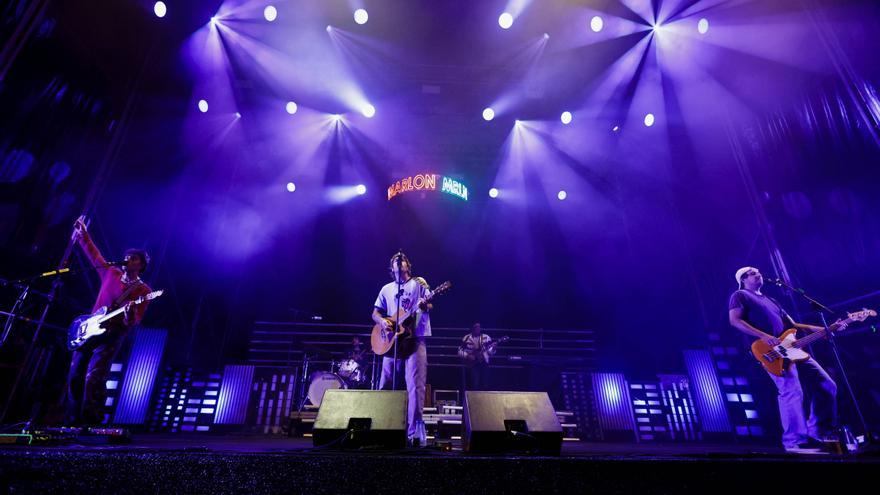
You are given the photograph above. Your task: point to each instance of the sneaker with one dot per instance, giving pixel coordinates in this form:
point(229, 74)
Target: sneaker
point(806, 449)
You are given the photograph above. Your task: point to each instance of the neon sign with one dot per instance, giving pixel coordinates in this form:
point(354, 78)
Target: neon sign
point(428, 182)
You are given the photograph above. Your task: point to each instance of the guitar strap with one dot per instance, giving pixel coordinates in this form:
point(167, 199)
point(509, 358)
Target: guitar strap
point(124, 296)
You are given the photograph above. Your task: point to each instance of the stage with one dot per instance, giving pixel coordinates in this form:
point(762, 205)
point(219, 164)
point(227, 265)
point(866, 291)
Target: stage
point(259, 464)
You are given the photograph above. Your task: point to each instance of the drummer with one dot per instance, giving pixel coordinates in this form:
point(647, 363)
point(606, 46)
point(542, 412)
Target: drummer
point(357, 352)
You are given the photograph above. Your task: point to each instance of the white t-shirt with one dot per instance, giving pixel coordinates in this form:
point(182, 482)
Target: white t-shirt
point(414, 289)
point(471, 345)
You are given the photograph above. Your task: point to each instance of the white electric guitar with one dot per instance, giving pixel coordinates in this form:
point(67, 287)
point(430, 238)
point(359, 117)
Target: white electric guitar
point(87, 326)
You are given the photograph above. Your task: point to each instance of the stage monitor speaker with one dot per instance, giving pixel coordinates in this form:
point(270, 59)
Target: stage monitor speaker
point(523, 422)
point(361, 419)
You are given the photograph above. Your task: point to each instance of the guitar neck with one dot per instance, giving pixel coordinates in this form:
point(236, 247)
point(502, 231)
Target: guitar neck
point(819, 335)
point(112, 314)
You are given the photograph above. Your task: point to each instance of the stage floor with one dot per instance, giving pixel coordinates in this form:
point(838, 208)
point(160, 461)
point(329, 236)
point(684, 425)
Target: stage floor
point(266, 444)
point(261, 464)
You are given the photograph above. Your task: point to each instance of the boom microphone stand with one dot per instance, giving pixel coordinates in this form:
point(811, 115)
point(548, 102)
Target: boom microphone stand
point(832, 340)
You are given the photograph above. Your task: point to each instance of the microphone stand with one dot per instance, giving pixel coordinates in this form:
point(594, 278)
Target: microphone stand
point(50, 298)
point(832, 341)
point(397, 317)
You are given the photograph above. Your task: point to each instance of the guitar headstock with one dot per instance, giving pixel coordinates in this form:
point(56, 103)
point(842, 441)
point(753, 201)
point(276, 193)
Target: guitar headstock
point(150, 296)
point(862, 315)
point(442, 288)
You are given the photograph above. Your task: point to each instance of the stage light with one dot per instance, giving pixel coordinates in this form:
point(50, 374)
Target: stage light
point(657, 28)
point(361, 16)
point(488, 114)
point(214, 20)
point(329, 28)
point(291, 187)
point(565, 118)
point(493, 193)
point(546, 36)
point(703, 26)
point(237, 115)
point(505, 20)
point(596, 24)
point(160, 9)
point(369, 111)
point(203, 106)
point(270, 13)
point(615, 128)
point(337, 118)
point(361, 189)
point(562, 195)
point(290, 107)
point(649, 120)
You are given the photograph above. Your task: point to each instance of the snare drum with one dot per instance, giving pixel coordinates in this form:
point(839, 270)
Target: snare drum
point(320, 382)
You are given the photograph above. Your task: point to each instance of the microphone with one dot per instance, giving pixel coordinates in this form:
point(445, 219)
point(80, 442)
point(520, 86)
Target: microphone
point(117, 263)
point(775, 281)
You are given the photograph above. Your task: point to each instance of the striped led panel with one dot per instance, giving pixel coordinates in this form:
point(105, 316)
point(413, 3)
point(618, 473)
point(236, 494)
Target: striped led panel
point(137, 385)
point(706, 392)
point(613, 405)
point(232, 402)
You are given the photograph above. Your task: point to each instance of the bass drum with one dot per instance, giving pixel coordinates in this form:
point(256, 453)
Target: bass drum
point(320, 382)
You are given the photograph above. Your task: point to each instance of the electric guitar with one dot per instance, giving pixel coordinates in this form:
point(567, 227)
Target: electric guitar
point(382, 341)
point(470, 358)
point(777, 359)
point(87, 326)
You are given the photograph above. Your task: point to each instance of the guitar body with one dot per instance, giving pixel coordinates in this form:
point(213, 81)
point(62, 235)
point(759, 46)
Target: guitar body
point(382, 342)
point(84, 328)
point(87, 326)
point(785, 353)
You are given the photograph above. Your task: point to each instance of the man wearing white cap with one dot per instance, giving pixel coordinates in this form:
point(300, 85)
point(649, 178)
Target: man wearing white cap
point(761, 317)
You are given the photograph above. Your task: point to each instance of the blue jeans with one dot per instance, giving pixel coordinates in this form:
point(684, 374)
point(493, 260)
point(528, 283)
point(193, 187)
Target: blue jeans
point(415, 373)
point(821, 421)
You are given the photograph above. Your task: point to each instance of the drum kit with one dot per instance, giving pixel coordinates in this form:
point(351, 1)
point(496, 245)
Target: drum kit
point(347, 373)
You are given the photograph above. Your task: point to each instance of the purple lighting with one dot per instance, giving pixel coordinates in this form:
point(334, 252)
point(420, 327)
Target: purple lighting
point(596, 24)
point(488, 114)
point(203, 106)
point(270, 13)
point(505, 20)
point(369, 111)
point(649, 120)
point(565, 118)
point(290, 107)
point(361, 189)
point(703, 26)
point(361, 16)
point(291, 187)
point(562, 195)
point(493, 193)
point(160, 9)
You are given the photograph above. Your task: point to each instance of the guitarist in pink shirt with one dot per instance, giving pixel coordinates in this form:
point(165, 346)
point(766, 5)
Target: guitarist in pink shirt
point(90, 364)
